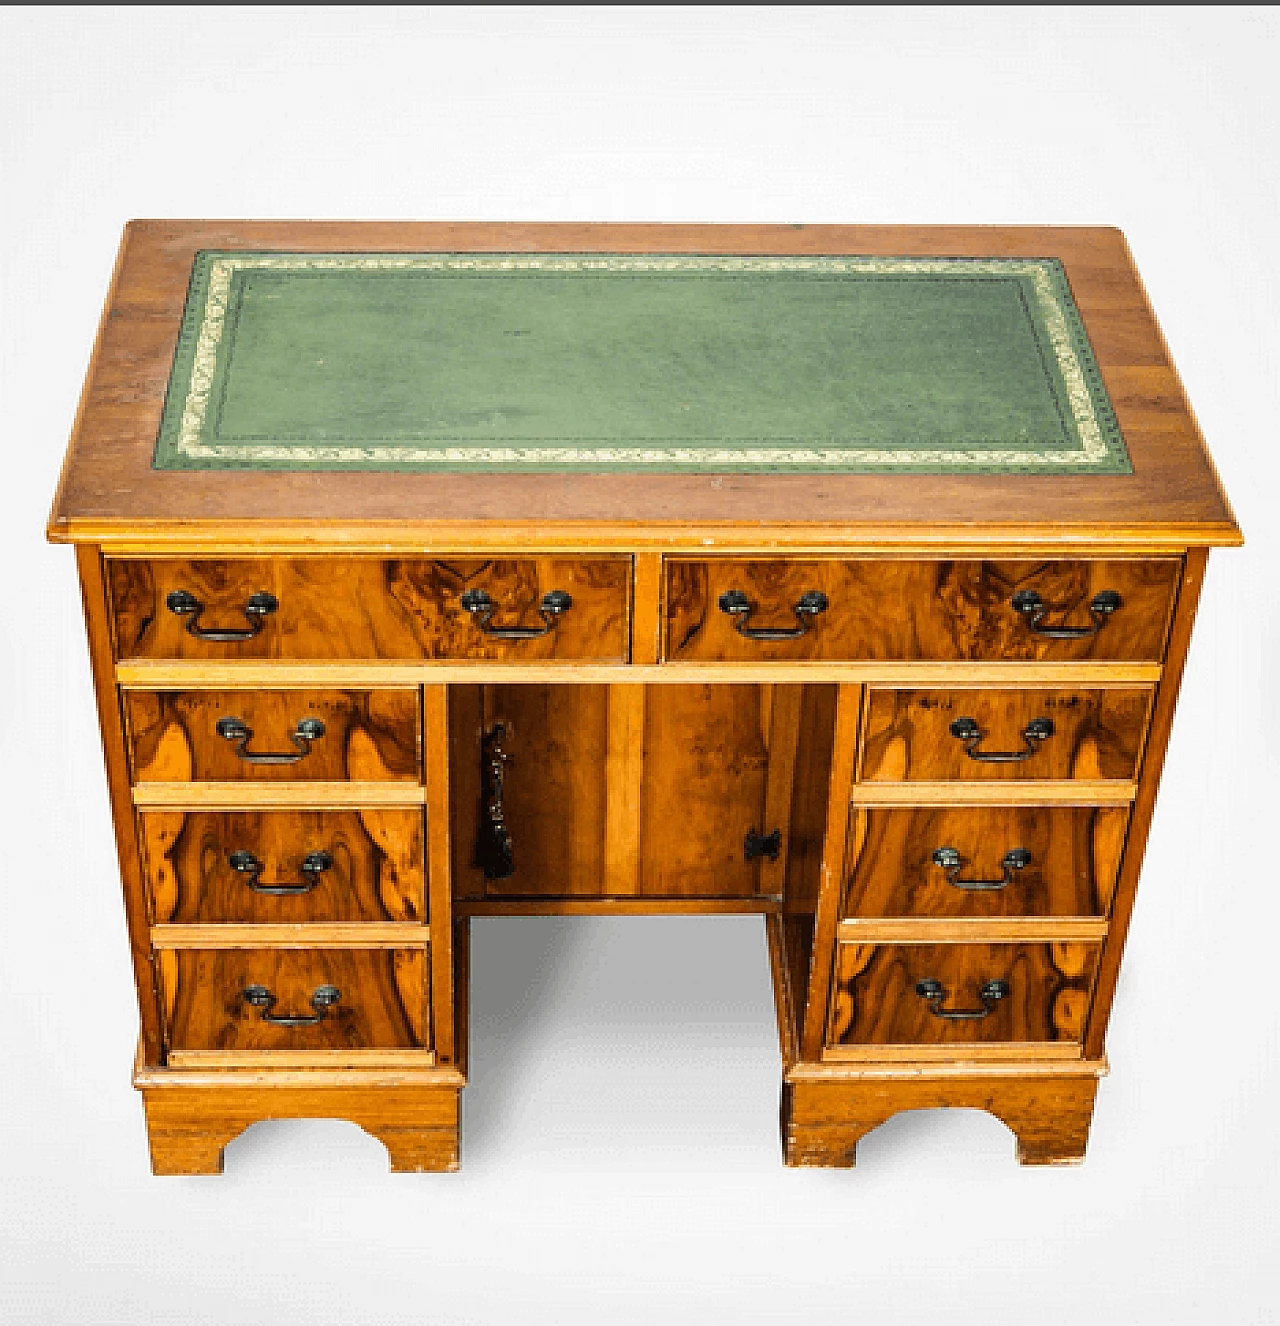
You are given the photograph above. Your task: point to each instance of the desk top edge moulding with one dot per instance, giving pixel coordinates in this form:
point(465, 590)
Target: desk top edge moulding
point(1171, 496)
point(431, 571)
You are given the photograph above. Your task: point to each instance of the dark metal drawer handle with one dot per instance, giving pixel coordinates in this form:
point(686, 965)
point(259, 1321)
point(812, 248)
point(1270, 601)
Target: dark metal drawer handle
point(323, 998)
point(968, 731)
point(738, 606)
point(757, 845)
point(991, 994)
point(482, 607)
point(952, 862)
point(314, 864)
point(237, 730)
point(259, 607)
point(1032, 607)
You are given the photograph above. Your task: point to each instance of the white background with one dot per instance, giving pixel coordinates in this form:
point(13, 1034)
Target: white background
point(620, 1159)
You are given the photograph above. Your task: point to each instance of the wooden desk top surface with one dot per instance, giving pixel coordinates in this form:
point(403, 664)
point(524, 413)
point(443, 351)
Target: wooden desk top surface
point(111, 493)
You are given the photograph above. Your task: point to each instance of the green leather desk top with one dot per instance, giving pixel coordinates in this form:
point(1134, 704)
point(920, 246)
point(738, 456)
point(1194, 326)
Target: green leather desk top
point(562, 362)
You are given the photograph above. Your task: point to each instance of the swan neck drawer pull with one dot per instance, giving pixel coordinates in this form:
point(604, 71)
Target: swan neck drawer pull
point(314, 864)
point(323, 998)
point(237, 730)
point(968, 731)
point(734, 603)
point(555, 602)
point(256, 610)
point(1033, 610)
point(991, 993)
point(952, 862)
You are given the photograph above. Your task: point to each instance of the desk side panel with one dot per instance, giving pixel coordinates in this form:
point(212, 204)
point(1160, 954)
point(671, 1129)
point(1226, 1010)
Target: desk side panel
point(111, 723)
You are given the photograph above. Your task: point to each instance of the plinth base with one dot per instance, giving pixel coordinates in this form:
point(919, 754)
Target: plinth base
point(192, 1117)
point(827, 1112)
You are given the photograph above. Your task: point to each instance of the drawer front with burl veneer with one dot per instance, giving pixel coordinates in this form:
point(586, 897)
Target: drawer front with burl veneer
point(833, 609)
point(284, 867)
point(1004, 734)
point(295, 1001)
point(941, 862)
point(280, 735)
point(943, 994)
point(524, 609)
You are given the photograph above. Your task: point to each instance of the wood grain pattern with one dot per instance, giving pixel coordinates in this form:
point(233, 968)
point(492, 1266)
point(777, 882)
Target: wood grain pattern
point(874, 1000)
point(1097, 734)
point(152, 676)
point(554, 785)
point(1144, 805)
point(384, 1004)
point(109, 489)
point(116, 759)
point(705, 786)
point(301, 934)
point(844, 751)
point(933, 611)
point(1049, 1114)
point(783, 709)
point(248, 795)
point(398, 608)
point(624, 775)
point(370, 736)
point(810, 786)
point(628, 791)
point(189, 1126)
point(1075, 854)
point(377, 871)
point(435, 711)
point(972, 929)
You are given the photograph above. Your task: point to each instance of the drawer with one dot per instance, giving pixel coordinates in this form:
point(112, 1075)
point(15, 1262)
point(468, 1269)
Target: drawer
point(284, 867)
point(296, 1000)
point(326, 736)
point(310, 608)
point(733, 609)
point(1002, 734)
point(983, 861)
point(940, 994)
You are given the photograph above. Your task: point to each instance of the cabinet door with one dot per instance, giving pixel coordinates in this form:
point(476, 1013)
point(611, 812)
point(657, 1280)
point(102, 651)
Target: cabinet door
point(627, 791)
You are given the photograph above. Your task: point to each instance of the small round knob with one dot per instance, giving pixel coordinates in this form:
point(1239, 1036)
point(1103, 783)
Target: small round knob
point(947, 857)
point(1018, 858)
point(310, 728)
point(1038, 729)
point(556, 601)
point(965, 729)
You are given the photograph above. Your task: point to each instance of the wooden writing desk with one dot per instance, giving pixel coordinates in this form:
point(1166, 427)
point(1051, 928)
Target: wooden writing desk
point(911, 713)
